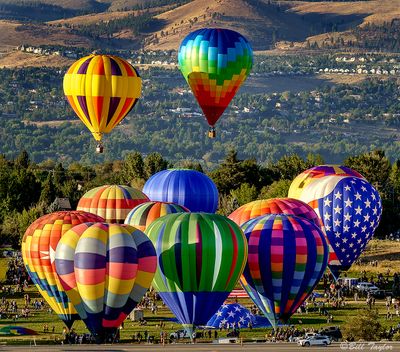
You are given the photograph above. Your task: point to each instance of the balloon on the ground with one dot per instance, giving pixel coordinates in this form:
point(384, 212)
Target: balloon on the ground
point(350, 209)
point(200, 259)
point(105, 269)
point(302, 181)
point(144, 214)
point(102, 89)
point(113, 203)
point(274, 206)
point(12, 330)
point(287, 257)
point(38, 252)
point(215, 62)
point(189, 188)
point(232, 315)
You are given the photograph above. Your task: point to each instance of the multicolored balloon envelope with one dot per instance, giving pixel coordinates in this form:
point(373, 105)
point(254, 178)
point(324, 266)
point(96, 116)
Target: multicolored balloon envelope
point(200, 259)
point(274, 206)
point(102, 89)
point(314, 174)
point(11, 330)
point(189, 188)
point(350, 209)
point(144, 214)
point(105, 269)
point(113, 203)
point(38, 252)
point(215, 62)
point(287, 257)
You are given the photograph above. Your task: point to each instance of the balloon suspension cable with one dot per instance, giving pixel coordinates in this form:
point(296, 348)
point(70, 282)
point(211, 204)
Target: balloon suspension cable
point(211, 132)
point(99, 148)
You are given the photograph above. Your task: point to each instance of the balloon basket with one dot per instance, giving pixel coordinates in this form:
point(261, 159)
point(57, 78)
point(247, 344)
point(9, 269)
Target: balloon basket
point(99, 148)
point(211, 133)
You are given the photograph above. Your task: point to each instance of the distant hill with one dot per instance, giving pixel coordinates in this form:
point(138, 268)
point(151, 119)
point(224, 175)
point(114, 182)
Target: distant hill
point(113, 24)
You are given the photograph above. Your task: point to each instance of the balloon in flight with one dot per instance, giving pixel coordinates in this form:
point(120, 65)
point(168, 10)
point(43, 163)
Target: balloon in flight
point(215, 62)
point(101, 90)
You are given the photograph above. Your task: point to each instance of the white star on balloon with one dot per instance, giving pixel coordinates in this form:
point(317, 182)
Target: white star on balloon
point(231, 314)
point(358, 210)
point(347, 188)
point(358, 196)
point(348, 203)
point(347, 217)
point(337, 209)
point(327, 202)
point(357, 223)
point(338, 195)
point(367, 203)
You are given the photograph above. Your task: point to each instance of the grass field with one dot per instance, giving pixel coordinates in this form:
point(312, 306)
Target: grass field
point(377, 250)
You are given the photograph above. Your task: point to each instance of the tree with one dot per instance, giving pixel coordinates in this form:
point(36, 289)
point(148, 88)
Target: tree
point(374, 166)
point(245, 193)
point(49, 192)
point(278, 189)
point(133, 168)
point(22, 160)
point(364, 325)
point(154, 163)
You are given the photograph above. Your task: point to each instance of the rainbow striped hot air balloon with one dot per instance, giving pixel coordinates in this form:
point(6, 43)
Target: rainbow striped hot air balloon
point(200, 259)
point(215, 62)
point(274, 206)
point(144, 214)
point(105, 270)
point(287, 257)
point(113, 203)
point(38, 252)
point(102, 89)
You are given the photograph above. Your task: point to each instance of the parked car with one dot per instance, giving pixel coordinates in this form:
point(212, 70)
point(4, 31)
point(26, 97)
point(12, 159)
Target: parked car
point(333, 332)
point(366, 287)
point(318, 340)
point(382, 294)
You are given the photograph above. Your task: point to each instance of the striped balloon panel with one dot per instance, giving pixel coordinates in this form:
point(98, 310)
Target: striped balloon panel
point(215, 63)
point(105, 270)
point(314, 174)
point(102, 89)
point(144, 214)
point(38, 251)
point(200, 259)
point(274, 206)
point(189, 188)
point(287, 257)
point(113, 203)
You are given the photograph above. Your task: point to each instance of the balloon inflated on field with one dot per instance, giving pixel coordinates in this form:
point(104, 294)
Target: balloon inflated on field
point(101, 90)
point(302, 181)
point(112, 202)
point(189, 188)
point(350, 209)
point(38, 252)
point(215, 62)
point(144, 214)
point(288, 206)
point(105, 270)
point(200, 259)
point(287, 257)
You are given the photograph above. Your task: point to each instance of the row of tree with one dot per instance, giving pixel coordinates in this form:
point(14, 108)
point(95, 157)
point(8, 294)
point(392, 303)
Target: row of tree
point(28, 190)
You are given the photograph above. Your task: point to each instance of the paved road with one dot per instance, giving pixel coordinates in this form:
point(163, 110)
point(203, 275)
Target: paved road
point(248, 347)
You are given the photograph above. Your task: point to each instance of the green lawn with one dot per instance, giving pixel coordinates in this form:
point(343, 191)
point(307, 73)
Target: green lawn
point(313, 319)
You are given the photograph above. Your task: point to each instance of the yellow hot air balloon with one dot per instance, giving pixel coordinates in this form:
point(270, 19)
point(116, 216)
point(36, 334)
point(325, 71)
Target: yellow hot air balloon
point(102, 89)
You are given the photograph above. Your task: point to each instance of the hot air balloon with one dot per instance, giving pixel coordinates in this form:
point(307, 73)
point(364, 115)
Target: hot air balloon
point(113, 203)
point(102, 89)
point(105, 269)
point(38, 250)
point(316, 173)
point(350, 209)
point(144, 214)
point(189, 188)
point(215, 62)
point(274, 206)
point(287, 257)
point(200, 259)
